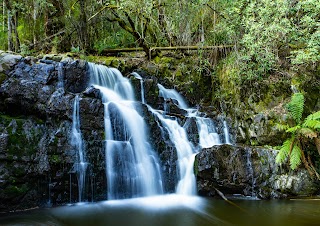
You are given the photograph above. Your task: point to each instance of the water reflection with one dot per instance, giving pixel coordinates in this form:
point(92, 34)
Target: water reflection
point(173, 210)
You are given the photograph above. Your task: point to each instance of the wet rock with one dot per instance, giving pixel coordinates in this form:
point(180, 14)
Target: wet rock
point(192, 130)
point(35, 130)
point(76, 77)
point(250, 172)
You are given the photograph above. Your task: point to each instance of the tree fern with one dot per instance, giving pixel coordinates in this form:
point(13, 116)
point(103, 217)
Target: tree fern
point(308, 129)
point(295, 106)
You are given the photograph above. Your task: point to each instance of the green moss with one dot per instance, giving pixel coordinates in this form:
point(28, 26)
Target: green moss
point(195, 167)
point(55, 159)
point(2, 77)
point(13, 190)
point(19, 143)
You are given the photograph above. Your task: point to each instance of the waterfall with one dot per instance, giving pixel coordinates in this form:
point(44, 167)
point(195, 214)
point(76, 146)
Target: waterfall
point(76, 141)
point(207, 133)
point(132, 167)
point(226, 132)
point(172, 94)
point(185, 152)
point(60, 76)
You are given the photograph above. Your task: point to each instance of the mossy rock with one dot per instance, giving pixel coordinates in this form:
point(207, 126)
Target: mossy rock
point(14, 191)
point(2, 77)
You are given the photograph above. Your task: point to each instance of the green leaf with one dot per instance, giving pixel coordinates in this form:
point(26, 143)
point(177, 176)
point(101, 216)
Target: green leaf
point(295, 106)
point(282, 127)
point(314, 116)
point(293, 129)
point(312, 124)
point(295, 157)
point(284, 151)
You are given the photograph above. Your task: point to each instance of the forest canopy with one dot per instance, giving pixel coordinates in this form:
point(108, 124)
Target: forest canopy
point(266, 35)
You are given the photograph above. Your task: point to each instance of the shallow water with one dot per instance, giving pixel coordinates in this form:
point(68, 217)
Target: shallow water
point(174, 210)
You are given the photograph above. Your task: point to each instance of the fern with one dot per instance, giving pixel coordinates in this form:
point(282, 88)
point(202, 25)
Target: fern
point(282, 127)
point(308, 129)
point(293, 129)
point(284, 151)
point(295, 106)
point(313, 121)
point(314, 116)
point(295, 157)
point(312, 124)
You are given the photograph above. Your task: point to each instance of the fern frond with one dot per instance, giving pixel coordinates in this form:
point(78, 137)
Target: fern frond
point(295, 157)
point(312, 124)
point(282, 127)
point(309, 133)
point(293, 129)
point(314, 116)
point(284, 151)
point(295, 106)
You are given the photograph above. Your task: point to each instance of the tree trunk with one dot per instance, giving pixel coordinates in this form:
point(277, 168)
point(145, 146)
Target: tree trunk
point(12, 28)
point(163, 26)
point(317, 142)
point(15, 31)
point(83, 31)
point(10, 41)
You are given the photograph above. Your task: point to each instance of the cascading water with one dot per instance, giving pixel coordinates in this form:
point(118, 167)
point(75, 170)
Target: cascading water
point(76, 141)
point(207, 133)
point(226, 132)
point(132, 168)
point(173, 95)
point(60, 75)
point(185, 150)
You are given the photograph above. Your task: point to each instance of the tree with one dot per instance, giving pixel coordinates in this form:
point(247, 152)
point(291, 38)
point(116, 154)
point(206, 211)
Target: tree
point(12, 27)
point(301, 131)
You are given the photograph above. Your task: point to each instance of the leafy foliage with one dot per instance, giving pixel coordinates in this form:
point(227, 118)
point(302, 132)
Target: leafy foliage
point(300, 132)
point(295, 106)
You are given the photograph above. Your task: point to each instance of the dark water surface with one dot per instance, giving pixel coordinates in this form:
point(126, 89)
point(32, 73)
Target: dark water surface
point(173, 210)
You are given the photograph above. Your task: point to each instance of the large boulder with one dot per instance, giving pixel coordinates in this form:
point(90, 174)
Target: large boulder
point(250, 172)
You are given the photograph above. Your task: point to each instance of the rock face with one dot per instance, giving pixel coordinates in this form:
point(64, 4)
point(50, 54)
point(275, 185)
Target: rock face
point(248, 171)
point(36, 157)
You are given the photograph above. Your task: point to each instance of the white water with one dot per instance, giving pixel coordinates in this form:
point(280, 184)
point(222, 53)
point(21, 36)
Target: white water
point(60, 76)
point(208, 136)
point(132, 168)
point(185, 152)
point(76, 141)
point(226, 132)
point(172, 94)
